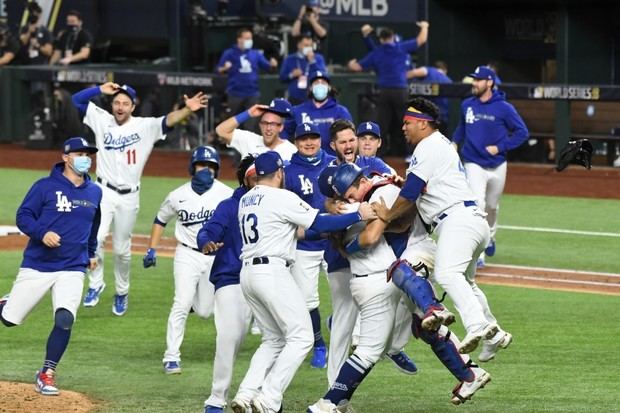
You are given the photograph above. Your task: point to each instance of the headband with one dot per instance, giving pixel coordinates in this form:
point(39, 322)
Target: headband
point(413, 113)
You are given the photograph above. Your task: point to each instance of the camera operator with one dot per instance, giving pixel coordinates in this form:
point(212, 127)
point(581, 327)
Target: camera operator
point(73, 44)
point(307, 22)
point(9, 45)
point(36, 40)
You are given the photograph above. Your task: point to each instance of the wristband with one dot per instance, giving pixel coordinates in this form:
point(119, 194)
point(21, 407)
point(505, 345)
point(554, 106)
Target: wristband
point(242, 117)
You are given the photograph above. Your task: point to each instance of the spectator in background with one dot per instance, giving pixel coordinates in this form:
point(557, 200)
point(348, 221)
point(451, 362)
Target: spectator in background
point(73, 44)
point(390, 61)
point(241, 63)
point(321, 109)
point(297, 66)
point(35, 39)
point(9, 45)
point(307, 22)
point(434, 74)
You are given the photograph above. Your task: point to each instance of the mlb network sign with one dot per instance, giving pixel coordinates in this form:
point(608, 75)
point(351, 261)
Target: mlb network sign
point(392, 10)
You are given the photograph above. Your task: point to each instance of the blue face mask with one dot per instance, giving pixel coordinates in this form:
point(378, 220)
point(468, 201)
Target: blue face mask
point(202, 181)
point(320, 92)
point(81, 164)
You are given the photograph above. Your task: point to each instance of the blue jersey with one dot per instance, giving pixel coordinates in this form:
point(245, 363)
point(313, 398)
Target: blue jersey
point(435, 75)
point(243, 74)
point(55, 204)
point(494, 122)
point(322, 117)
point(301, 177)
point(299, 61)
point(390, 61)
point(224, 227)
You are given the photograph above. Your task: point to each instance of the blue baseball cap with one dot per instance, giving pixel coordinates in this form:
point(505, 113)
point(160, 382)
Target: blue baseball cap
point(268, 162)
point(312, 3)
point(78, 144)
point(366, 128)
point(129, 91)
point(280, 107)
point(305, 129)
point(344, 176)
point(325, 180)
point(483, 72)
point(317, 74)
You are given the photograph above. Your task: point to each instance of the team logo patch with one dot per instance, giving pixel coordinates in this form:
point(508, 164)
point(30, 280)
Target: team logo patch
point(414, 161)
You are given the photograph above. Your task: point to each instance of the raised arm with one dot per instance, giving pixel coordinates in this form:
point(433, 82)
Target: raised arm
point(196, 102)
point(225, 129)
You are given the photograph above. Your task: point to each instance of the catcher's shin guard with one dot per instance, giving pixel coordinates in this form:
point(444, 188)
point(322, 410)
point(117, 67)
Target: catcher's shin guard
point(417, 288)
point(445, 346)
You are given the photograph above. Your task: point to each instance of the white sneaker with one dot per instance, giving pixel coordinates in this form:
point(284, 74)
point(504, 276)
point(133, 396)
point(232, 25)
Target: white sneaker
point(465, 390)
point(491, 347)
point(240, 406)
point(323, 406)
point(471, 340)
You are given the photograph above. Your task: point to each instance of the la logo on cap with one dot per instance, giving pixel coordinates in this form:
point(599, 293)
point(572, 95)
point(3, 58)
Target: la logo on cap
point(307, 127)
point(368, 126)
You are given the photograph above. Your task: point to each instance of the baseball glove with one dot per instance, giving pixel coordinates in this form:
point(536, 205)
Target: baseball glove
point(578, 152)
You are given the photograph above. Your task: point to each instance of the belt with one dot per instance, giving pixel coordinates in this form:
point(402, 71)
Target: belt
point(123, 191)
point(466, 203)
point(190, 247)
point(265, 260)
point(431, 227)
point(360, 275)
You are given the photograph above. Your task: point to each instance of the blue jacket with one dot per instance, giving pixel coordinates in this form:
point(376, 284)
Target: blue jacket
point(55, 204)
point(301, 177)
point(243, 74)
point(495, 122)
point(323, 117)
point(435, 75)
point(297, 60)
point(224, 227)
point(390, 61)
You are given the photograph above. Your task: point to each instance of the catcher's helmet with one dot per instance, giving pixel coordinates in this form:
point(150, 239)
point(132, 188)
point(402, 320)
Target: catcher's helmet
point(204, 154)
point(325, 180)
point(344, 177)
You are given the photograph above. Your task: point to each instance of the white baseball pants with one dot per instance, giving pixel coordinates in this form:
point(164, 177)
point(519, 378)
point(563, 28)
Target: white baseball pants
point(487, 185)
point(306, 272)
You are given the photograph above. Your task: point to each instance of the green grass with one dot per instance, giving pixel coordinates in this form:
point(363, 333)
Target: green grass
point(563, 358)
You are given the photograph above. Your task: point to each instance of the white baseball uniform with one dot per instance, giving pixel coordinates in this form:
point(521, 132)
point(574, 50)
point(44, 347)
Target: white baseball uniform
point(192, 287)
point(247, 142)
point(268, 219)
point(463, 233)
point(123, 152)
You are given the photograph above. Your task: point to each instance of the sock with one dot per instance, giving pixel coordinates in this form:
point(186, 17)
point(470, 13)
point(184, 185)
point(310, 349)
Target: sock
point(351, 374)
point(315, 316)
point(56, 345)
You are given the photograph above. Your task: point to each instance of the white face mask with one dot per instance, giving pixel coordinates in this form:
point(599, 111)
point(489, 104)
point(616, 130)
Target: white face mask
point(247, 44)
point(81, 164)
point(306, 50)
point(320, 91)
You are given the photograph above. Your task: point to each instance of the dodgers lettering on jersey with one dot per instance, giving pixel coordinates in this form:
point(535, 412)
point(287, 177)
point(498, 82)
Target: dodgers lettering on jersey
point(192, 210)
point(437, 163)
point(379, 256)
point(268, 220)
point(123, 149)
point(246, 142)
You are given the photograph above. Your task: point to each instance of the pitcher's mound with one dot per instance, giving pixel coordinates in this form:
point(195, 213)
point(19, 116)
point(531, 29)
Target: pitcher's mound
point(22, 398)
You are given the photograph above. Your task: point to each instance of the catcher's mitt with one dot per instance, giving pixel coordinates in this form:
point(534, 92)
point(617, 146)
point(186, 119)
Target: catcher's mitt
point(577, 152)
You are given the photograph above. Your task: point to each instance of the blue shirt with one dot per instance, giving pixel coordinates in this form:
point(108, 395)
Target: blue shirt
point(390, 62)
point(301, 177)
point(435, 75)
point(322, 117)
point(243, 74)
point(55, 204)
point(224, 227)
point(299, 61)
point(494, 122)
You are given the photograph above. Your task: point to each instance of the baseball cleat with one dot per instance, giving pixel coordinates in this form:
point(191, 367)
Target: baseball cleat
point(213, 409)
point(322, 406)
point(465, 390)
point(490, 349)
point(92, 296)
point(45, 383)
point(258, 406)
point(119, 307)
point(172, 367)
point(240, 406)
point(403, 363)
point(490, 249)
point(471, 340)
point(436, 317)
point(319, 358)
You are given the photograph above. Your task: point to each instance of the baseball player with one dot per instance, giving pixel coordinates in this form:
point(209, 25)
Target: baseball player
point(125, 143)
point(369, 138)
point(437, 187)
point(61, 215)
point(271, 125)
point(489, 127)
point(268, 220)
point(221, 235)
point(300, 177)
point(193, 204)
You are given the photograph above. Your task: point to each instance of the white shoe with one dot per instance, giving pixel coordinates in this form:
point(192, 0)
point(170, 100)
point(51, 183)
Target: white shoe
point(434, 318)
point(323, 406)
point(240, 406)
point(465, 390)
point(471, 340)
point(491, 347)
